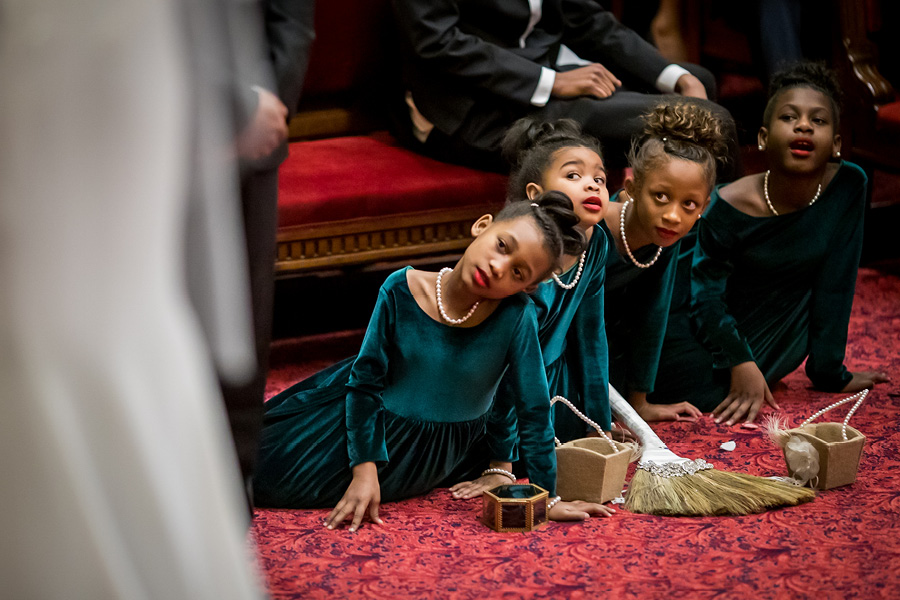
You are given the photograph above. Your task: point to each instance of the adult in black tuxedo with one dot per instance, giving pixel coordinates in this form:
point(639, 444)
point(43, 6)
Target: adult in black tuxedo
point(472, 67)
point(262, 147)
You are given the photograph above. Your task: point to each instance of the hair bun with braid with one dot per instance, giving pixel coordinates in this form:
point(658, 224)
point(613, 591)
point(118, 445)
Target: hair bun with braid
point(558, 206)
point(555, 217)
point(805, 74)
point(527, 133)
point(689, 123)
point(530, 145)
point(680, 129)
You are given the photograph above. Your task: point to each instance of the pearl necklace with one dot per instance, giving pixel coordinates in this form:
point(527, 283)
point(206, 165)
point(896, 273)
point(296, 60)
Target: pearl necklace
point(769, 202)
point(625, 240)
point(569, 286)
point(440, 300)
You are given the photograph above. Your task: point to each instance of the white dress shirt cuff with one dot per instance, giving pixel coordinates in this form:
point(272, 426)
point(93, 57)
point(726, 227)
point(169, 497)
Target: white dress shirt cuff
point(544, 87)
point(669, 77)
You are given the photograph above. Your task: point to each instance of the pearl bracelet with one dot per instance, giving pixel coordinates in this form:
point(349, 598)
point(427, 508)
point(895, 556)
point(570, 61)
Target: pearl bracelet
point(499, 472)
point(553, 502)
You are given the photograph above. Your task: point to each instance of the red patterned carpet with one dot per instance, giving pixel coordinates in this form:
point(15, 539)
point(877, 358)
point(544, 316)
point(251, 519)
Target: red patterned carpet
point(842, 545)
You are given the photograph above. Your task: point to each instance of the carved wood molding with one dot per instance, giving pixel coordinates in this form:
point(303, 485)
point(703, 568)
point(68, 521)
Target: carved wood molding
point(359, 242)
point(861, 55)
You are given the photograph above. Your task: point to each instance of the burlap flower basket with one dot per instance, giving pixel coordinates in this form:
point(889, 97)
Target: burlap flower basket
point(838, 458)
point(591, 469)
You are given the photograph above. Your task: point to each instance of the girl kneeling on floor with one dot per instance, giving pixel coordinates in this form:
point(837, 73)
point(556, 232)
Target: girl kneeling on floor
point(772, 276)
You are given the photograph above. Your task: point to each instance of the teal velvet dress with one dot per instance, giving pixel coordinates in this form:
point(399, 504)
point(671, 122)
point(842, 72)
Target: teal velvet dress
point(415, 401)
point(775, 290)
point(575, 362)
point(573, 342)
point(637, 309)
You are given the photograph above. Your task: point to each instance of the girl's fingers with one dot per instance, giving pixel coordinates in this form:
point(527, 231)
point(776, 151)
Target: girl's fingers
point(724, 404)
point(373, 513)
point(338, 515)
point(358, 515)
point(751, 414)
point(459, 486)
point(463, 491)
point(741, 410)
point(724, 412)
point(470, 493)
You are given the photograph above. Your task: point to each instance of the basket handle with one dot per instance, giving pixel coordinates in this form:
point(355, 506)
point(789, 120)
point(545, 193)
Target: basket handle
point(861, 396)
point(584, 418)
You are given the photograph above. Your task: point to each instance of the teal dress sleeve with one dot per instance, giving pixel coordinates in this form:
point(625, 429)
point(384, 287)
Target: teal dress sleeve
point(712, 265)
point(502, 430)
point(364, 408)
point(832, 299)
point(649, 297)
point(528, 386)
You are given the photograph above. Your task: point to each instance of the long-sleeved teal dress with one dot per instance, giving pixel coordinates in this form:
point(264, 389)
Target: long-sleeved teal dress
point(415, 401)
point(575, 363)
point(637, 308)
point(775, 290)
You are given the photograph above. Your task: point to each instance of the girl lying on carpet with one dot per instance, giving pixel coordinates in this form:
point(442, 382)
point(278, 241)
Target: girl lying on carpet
point(773, 272)
point(400, 418)
point(674, 172)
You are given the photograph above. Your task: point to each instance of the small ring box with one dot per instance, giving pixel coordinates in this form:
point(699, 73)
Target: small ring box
point(515, 508)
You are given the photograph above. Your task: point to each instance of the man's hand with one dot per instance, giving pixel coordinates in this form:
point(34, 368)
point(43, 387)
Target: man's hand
point(266, 130)
point(590, 80)
point(363, 493)
point(689, 85)
point(748, 393)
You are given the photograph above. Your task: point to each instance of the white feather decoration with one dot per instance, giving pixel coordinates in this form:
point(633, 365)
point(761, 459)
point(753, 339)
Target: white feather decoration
point(802, 459)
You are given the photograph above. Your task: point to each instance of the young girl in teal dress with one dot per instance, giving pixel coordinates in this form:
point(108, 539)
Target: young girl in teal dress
point(619, 287)
point(773, 271)
point(401, 417)
point(673, 172)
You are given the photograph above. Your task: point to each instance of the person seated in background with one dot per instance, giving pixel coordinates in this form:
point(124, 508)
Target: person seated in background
point(474, 68)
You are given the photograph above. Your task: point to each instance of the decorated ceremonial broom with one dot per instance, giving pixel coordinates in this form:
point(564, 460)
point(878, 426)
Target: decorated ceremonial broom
point(667, 484)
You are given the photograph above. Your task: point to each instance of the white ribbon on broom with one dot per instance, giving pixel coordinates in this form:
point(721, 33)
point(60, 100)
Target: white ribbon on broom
point(667, 484)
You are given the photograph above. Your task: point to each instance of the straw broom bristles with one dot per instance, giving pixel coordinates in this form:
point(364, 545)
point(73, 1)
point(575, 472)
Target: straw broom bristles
point(668, 485)
point(710, 493)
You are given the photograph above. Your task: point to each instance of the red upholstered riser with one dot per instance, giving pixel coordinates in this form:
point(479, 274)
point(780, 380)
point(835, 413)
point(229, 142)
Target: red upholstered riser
point(372, 176)
point(889, 118)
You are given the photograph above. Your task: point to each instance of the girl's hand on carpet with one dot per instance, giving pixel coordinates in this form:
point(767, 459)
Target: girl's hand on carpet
point(683, 411)
point(363, 493)
point(864, 380)
point(578, 510)
point(473, 489)
point(748, 393)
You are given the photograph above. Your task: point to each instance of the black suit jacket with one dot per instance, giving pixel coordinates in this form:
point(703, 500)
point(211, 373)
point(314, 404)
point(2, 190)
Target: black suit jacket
point(465, 56)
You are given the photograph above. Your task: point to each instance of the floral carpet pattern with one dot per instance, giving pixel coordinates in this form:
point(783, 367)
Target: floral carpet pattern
point(845, 544)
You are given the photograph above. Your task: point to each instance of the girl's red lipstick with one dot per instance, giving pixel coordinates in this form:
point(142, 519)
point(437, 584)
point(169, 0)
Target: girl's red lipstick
point(594, 203)
point(481, 278)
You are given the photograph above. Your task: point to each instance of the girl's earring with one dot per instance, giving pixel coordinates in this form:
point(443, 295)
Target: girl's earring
point(837, 154)
point(761, 147)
